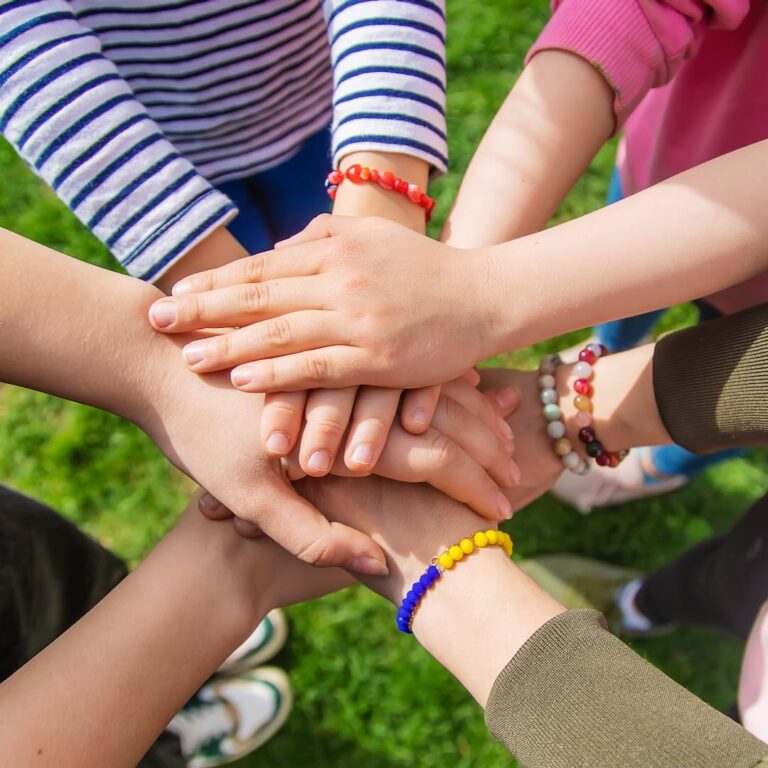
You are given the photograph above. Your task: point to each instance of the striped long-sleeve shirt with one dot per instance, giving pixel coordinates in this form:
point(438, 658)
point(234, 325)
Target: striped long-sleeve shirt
point(132, 110)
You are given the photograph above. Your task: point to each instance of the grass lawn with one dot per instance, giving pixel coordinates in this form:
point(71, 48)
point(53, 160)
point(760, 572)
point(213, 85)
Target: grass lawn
point(366, 696)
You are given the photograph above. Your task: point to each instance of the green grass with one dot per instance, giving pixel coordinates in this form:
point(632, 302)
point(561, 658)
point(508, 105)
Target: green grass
point(364, 695)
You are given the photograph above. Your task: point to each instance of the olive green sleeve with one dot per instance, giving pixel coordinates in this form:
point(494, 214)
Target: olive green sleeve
point(711, 382)
point(574, 695)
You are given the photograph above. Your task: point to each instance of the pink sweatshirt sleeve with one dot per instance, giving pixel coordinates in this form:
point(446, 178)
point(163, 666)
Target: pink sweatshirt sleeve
point(635, 44)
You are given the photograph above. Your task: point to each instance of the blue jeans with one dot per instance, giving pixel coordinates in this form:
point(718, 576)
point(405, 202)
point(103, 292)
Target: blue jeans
point(620, 335)
point(277, 203)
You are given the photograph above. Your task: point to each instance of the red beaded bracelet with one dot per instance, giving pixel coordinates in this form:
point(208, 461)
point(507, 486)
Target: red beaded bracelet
point(359, 174)
point(583, 401)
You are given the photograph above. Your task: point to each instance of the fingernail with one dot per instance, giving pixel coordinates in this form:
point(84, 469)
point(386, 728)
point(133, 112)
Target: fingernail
point(241, 376)
point(368, 566)
point(208, 503)
point(320, 461)
point(181, 288)
point(504, 507)
point(506, 397)
point(363, 454)
point(514, 471)
point(420, 416)
point(278, 442)
point(163, 313)
point(194, 352)
point(506, 430)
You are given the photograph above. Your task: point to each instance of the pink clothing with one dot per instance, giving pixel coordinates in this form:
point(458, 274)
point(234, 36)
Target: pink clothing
point(753, 685)
point(707, 63)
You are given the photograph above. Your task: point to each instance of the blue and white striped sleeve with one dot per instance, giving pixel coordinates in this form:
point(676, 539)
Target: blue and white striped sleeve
point(75, 121)
point(389, 77)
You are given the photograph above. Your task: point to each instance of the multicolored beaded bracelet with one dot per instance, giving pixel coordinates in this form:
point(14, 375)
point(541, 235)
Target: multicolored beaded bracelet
point(359, 174)
point(442, 563)
point(584, 371)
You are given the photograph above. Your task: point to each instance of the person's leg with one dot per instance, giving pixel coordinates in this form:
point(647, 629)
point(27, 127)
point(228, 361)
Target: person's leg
point(721, 582)
point(620, 335)
point(672, 460)
point(51, 574)
point(293, 193)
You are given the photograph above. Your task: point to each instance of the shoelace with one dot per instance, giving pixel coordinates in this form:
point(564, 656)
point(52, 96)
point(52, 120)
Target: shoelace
point(199, 726)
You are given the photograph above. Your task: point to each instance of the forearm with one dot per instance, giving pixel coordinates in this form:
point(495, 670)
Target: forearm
point(59, 322)
point(694, 234)
point(555, 118)
point(135, 659)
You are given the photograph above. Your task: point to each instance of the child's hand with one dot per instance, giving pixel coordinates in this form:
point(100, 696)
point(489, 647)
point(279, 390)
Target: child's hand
point(356, 421)
point(539, 465)
point(321, 419)
point(368, 302)
point(459, 455)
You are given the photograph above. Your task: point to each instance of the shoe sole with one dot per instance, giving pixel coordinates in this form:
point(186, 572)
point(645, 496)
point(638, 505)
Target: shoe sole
point(272, 647)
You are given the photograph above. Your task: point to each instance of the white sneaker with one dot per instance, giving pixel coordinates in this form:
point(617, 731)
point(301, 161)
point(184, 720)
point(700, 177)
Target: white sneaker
point(230, 717)
point(264, 642)
point(607, 486)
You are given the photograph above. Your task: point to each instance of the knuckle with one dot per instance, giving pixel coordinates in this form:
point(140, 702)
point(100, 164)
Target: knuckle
point(316, 368)
point(253, 268)
point(254, 297)
point(193, 308)
point(445, 452)
point(327, 424)
point(279, 332)
point(318, 552)
point(378, 424)
point(281, 411)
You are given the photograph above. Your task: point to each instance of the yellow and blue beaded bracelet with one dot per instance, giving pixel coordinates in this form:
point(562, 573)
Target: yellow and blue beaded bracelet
point(445, 562)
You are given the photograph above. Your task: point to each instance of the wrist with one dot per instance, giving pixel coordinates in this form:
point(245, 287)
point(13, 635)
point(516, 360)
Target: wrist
point(499, 307)
point(373, 200)
point(241, 569)
point(624, 411)
point(460, 623)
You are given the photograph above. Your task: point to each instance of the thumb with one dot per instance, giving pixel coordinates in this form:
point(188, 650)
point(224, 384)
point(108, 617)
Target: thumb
point(299, 527)
point(322, 226)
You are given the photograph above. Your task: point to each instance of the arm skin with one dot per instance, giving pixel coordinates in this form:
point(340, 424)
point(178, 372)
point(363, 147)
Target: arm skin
point(625, 413)
point(60, 317)
point(79, 332)
point(120, 663)
point(486, 620)
point(544, 136)
point(384, 290)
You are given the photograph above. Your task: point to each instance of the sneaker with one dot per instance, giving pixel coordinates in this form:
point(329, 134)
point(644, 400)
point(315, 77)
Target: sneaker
point(607, 486)
point(264, 642)
point(230, 717)
point(580, 582)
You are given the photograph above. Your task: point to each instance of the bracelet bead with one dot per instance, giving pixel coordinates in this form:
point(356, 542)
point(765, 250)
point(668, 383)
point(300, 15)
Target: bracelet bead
point(556, 429)
point(447, 560)
point(359, 174)
point(552, 412)
point(584, 372)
